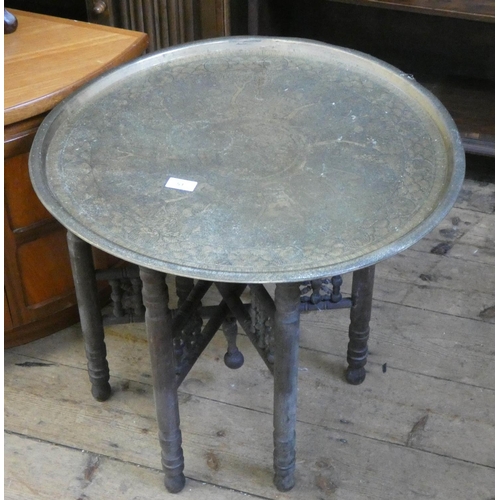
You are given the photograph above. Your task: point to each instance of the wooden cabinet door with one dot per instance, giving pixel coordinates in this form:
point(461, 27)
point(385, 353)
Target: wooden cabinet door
point(38, 285)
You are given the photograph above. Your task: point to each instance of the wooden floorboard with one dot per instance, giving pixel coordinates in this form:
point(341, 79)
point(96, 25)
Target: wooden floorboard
point(420, 426)
point(51, 472)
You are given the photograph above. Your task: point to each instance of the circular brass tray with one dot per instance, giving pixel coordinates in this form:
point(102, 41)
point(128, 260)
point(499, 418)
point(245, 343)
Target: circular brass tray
point(309, 160)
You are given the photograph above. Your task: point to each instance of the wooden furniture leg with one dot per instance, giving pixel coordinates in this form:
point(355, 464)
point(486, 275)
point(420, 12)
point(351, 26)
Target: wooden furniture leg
point(233, 358)
point(359, 329)
point(161, 348)
point(286, 365)
point(82, 266)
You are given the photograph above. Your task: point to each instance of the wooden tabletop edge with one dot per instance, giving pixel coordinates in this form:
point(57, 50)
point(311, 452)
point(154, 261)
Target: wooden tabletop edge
point(42, 104)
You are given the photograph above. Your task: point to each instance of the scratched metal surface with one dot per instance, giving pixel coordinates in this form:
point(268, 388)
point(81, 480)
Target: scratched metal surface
point(310, 160)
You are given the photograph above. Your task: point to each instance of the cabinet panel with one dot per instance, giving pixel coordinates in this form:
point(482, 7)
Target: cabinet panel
point(21, 203)
point(45, 269)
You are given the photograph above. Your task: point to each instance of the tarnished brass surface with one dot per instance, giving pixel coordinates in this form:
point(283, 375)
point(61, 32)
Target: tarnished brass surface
point(310, 160)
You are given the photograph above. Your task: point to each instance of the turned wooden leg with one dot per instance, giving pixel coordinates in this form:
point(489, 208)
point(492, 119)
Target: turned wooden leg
point(183, 287)
point(161, 349)
point(233, 358)
point(286, 365)
point(359, 329)
point(82, 265)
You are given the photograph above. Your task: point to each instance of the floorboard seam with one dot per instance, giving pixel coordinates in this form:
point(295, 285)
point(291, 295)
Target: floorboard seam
point(431, 310)
point(372, 363)
point(305, 348)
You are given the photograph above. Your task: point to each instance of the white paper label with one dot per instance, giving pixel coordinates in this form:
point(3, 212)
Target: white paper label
point(181, 184)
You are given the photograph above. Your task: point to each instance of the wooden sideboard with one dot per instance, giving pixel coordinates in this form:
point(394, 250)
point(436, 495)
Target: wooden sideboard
point(45, 60)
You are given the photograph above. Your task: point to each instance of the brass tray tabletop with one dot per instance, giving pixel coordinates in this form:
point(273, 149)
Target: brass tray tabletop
point(309, 160)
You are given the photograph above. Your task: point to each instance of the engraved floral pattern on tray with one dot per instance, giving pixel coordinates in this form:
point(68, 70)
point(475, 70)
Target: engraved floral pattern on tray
point(297, 167)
